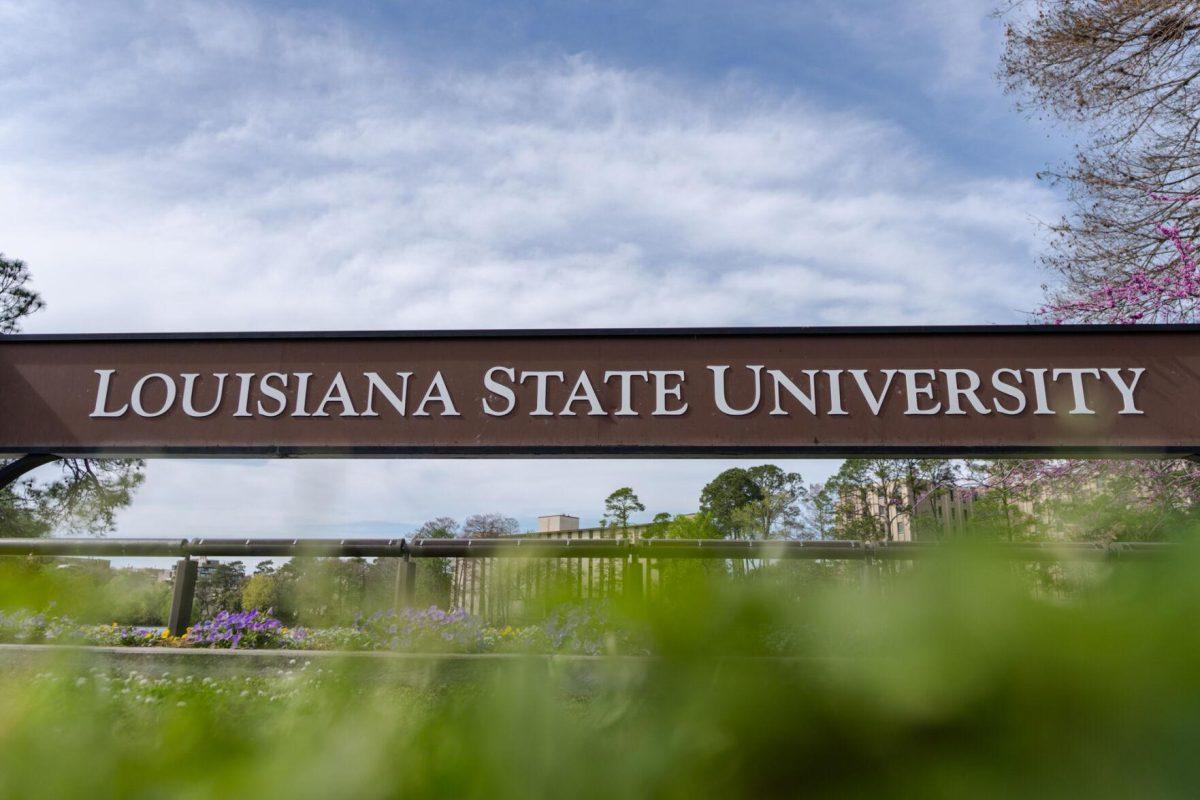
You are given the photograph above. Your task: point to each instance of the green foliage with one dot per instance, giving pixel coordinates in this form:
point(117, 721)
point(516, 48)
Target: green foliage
point(326, 591)
point(725, 495)
point(318, 591)
point(219, 588)
point(968, 681)
point(87, 593)
point(776, 509)
point(268, 591)
point(20, 518)
point(136, 600)
point(434, 577)
point(17, 300)
point(620, 506)
point(873, 494)
point(761, 502)
point(479, 526)
point(692, 526)
point(322, 592)
point(819, 513)
point(89, 493)
point(83, 499)
point(657, 529)
point(438, 528)
point(87, 497)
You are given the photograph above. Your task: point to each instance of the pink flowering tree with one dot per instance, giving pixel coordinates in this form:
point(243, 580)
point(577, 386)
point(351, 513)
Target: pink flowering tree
point(1151, 492)
point(1126, 76)
point(1166, 291)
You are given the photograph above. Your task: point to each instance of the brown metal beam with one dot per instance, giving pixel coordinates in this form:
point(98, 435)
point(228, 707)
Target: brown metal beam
point(13, 471)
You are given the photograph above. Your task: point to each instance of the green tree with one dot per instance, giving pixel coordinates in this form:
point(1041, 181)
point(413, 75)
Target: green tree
point(135, 598)
point(875, 494)
point(620, 506)
point(725, 496)
point(88, 493)
point(999, 511)
point(851, 489)
point(438, 528)
point(487, 526)
point(777, 508)
point(324, 591)
point(756, 503)
point(219, 588)
point(434, 575)
point(818, 517)
point(657, 529)
point(269, 591)
point(17, 299)
point(692, 526)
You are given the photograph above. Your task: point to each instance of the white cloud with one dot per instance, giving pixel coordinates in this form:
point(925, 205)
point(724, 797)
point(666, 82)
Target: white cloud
point(293, 177)
point(190, 166)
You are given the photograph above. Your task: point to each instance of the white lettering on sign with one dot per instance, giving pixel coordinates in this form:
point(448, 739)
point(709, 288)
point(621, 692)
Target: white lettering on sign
point(736, 390)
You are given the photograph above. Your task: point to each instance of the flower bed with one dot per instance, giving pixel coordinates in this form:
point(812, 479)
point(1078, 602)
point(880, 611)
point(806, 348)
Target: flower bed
point(428, 630)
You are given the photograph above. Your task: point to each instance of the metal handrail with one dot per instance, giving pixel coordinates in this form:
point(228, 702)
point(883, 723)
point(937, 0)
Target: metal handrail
point(632, 552)
point(564, 548)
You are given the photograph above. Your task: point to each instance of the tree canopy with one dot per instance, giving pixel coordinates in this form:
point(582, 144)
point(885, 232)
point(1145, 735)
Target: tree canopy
point(87, 494)
point(1124, 73)
point(486, 526)
point(620, 506)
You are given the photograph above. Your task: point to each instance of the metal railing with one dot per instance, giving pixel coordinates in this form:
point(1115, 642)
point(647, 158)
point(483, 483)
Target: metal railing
point(632, 553)
point(562, 548)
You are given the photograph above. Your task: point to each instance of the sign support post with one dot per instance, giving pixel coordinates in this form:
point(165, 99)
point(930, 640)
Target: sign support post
point(14, 471)
point(406, 583)
point(183, 596)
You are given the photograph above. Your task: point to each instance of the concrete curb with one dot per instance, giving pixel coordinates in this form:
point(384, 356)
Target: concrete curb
point(423, 669)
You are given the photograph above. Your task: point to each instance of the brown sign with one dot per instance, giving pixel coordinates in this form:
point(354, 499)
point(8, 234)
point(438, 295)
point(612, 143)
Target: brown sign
point(793, 392)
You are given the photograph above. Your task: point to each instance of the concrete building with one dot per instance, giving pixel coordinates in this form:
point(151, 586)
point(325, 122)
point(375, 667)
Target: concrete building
point(565, 526)
point(897, 517)
point(945, 512)
point(557, 523)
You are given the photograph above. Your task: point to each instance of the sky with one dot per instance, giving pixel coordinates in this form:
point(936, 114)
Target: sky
point(225, 166)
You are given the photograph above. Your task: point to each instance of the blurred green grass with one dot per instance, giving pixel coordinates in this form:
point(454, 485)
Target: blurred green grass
point(955, 676)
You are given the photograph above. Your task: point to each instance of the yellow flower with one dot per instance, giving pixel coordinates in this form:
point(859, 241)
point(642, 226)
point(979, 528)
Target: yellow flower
point(166, 634)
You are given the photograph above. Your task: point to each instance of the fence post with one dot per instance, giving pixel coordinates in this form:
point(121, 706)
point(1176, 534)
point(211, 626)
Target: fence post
point(406, 582)
point(869, 567)
point(182, 597)
point(633, 578)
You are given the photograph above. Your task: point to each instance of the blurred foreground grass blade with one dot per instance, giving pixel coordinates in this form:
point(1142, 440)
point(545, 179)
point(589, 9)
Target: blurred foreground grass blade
point(955, 676)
